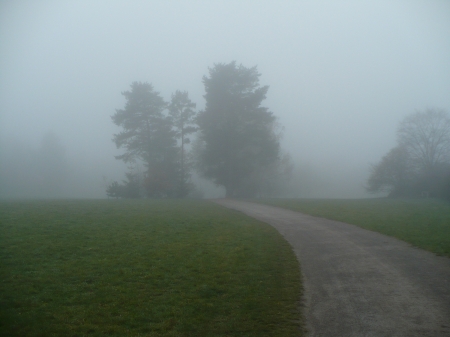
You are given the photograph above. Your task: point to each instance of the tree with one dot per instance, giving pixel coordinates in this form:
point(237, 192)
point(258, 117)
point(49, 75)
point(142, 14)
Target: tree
point(148, 136)
point(393, 174)
point(238, 133)
point(183, 119)
point(426, 136)
point(114, 190)
point(420, 164)
point(129, 189)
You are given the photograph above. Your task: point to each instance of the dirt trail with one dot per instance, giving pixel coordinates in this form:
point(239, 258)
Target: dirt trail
point(358, 282)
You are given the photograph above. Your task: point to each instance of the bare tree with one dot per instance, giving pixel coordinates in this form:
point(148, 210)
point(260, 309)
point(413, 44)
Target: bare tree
point(420, 164)
point(426, 136)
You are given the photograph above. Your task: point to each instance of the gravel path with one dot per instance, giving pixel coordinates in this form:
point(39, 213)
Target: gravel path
point(358, 282)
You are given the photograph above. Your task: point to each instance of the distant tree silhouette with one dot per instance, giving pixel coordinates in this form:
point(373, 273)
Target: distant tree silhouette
point(420, 164)
point(129, 189)
point(426, 137)
point(393, 174)
point(114, 190)
point(148, 136)
point(239, 136)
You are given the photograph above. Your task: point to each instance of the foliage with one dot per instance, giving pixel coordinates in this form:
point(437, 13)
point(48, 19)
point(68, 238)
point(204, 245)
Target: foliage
point(143, 268)
point(148, 136)
point(183, 119)
point(426, 136)
point(129, 189)
point(392, 174)
point(238, 134)
point(420, 164)
point(238, 146)
point(114, 190)
point(421, 222)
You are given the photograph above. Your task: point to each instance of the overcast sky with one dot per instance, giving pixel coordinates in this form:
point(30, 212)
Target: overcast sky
point(342, 74)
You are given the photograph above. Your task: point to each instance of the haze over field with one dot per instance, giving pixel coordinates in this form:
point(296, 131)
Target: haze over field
point(341, 75)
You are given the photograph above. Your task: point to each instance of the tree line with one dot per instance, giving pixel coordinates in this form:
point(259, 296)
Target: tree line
point(419, 166)
point(236, 144)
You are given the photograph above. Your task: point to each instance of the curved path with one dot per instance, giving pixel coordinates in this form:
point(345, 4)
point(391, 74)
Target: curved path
point(358, 282)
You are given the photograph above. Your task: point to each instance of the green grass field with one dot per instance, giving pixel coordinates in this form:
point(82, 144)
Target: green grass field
point(143, 268)
point(424, 223)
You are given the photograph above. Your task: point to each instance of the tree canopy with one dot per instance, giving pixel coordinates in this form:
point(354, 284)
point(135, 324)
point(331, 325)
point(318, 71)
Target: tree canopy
point(420, 164)
point(238, 134)
point(148, 136)
point(426, 136)
point(237, 144)
point(392, 174)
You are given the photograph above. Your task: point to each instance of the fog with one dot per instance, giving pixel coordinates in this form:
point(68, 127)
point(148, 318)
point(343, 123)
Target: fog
point(342, 74)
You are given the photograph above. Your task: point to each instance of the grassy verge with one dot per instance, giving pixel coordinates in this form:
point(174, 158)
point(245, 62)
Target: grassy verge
point(143, 268)
point(424, 223)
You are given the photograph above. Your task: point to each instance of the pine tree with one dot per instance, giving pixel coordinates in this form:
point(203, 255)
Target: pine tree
point(239, 136)
point(148, 136)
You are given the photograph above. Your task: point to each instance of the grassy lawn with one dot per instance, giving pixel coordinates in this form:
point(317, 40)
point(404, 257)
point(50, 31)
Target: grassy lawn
point(425, 223)
point(143, 268)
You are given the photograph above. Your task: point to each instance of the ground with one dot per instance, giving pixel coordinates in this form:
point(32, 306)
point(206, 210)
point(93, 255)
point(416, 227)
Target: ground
point(358, 282)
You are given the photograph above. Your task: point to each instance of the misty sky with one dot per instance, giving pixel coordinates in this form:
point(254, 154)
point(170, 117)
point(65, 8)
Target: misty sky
point(342, 74)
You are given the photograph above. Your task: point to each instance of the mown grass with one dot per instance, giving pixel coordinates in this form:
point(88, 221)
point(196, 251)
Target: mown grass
point(143, 268)
point(424, 223)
